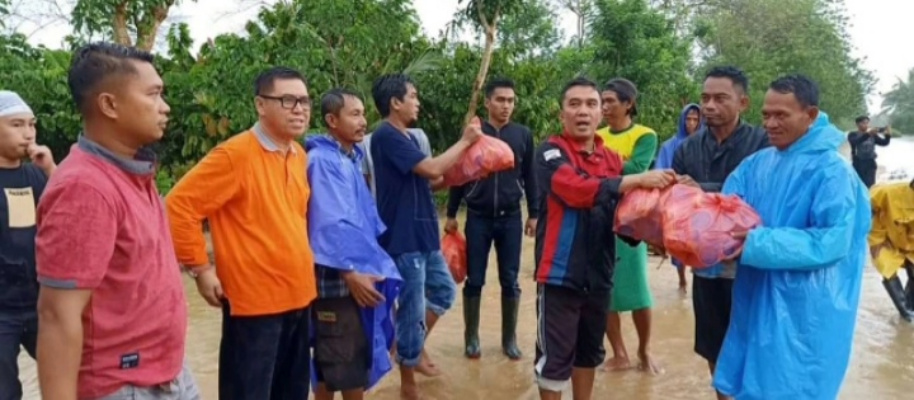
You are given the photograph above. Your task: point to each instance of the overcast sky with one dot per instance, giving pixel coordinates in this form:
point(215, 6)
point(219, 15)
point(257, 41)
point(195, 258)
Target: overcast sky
point(880, 30)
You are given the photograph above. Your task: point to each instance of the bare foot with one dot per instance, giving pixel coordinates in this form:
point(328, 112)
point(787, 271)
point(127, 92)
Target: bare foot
point(617, 364)
point(430, 371)
point(410, 392)
point(426, 367)
point(647, 365)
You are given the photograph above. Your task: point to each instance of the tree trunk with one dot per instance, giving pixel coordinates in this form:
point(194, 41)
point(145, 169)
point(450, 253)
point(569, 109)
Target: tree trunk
point(121, 33)
point(147, 31)
point(483, 68)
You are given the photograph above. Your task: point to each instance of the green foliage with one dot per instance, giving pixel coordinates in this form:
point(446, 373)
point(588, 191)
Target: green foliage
point(4, 12)
point(769, 38)
point(899, 104)
point(351, 42)
point(633, 41)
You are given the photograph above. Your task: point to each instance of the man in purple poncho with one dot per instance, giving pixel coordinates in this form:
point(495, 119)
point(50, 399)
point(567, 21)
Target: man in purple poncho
point(357, 281)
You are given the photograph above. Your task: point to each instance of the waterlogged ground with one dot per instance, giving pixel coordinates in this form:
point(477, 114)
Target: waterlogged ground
point(882, 363)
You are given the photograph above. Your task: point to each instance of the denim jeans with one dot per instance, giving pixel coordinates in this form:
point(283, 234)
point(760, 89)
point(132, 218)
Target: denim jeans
point(507, 232)
point(427, 284)
point(16, 329)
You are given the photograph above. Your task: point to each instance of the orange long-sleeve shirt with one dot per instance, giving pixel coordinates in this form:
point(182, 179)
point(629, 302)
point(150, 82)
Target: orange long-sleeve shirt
point(255, 198)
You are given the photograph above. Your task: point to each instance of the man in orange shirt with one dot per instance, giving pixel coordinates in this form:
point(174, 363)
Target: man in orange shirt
point(254, 192)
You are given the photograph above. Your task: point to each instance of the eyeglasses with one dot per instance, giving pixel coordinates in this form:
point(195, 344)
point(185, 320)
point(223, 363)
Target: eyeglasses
point(289, 102)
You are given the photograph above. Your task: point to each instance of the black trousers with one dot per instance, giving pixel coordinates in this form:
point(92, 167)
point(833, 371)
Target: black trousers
point(265, 357)
point(866, 169)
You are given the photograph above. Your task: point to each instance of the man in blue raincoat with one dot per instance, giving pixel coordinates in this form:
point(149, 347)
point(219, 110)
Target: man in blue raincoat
point(689, 121)
point(357, 281)
point(797, 288)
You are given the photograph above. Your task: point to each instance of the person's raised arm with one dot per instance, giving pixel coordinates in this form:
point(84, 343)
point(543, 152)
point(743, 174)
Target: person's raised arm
point(434, 168)
point(557, 176)
point(834, 218)
point(883, 140)
point(210, 184)
point(74, 245)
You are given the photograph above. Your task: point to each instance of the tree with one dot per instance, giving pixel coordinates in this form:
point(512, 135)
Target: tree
point(126, 22)
point(898, 104)
point(4, 12)
point(768, 38)
point(633, 41)
point(485, 15)
point(583, 11)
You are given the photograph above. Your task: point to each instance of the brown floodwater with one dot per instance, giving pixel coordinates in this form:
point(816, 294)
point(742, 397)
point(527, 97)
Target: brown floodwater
point(882, 365)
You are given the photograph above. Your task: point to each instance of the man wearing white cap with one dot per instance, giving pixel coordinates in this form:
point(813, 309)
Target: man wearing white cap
point(22, 184)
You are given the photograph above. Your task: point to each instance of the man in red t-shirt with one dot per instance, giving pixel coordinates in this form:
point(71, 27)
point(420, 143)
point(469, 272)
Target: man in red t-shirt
point(112, 311)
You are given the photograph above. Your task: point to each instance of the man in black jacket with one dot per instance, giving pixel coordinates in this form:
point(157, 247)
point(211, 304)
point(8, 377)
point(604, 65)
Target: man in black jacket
point(863, 148)
point(705, 160)
point(494, 214)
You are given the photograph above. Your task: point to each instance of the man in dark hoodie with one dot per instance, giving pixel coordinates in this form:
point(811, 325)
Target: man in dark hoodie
point(494, 215)
point(705, 160)
point(689, 122)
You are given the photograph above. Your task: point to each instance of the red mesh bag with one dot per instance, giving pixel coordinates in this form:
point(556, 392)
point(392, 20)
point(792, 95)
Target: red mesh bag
point(698, 229)
point(454, 248)
point(640, 215)
point(484, 157)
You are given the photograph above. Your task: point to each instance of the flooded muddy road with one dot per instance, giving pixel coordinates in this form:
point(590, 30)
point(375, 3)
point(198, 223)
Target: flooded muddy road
point(882, 366)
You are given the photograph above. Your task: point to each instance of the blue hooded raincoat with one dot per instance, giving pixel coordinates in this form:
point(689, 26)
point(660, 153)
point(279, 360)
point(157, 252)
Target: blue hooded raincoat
point(668, 148)
point(797, 288)
point(343, 226)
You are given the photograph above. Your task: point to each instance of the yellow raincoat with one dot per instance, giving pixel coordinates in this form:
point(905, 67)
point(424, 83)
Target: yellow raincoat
point(893, 226)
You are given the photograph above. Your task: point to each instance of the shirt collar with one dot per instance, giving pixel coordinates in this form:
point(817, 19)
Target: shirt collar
point(267, 143)
point(576, 146)
point(144, 163)
point(354, 154)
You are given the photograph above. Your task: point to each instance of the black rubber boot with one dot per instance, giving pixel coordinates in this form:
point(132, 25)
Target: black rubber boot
point(471, 326)
point(897, 294)
point(509, 309)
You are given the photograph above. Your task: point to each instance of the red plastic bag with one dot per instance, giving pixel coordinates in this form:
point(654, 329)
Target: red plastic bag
point(454, 248)
point(484, 157)
point(698, 229)
point(640, 215)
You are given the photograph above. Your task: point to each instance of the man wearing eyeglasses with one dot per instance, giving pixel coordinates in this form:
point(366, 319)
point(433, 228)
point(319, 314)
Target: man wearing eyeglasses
point(254, 192)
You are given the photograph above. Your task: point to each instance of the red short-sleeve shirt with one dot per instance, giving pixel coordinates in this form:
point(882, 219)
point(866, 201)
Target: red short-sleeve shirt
point(102, 227)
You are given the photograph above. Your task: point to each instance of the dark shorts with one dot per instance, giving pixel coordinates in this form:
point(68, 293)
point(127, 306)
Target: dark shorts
point(341, 353)
point(569, 334)
point(711, 299)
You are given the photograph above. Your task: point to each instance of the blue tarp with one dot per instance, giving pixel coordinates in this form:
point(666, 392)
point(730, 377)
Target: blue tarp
point(343, 227)
point(797, 287)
